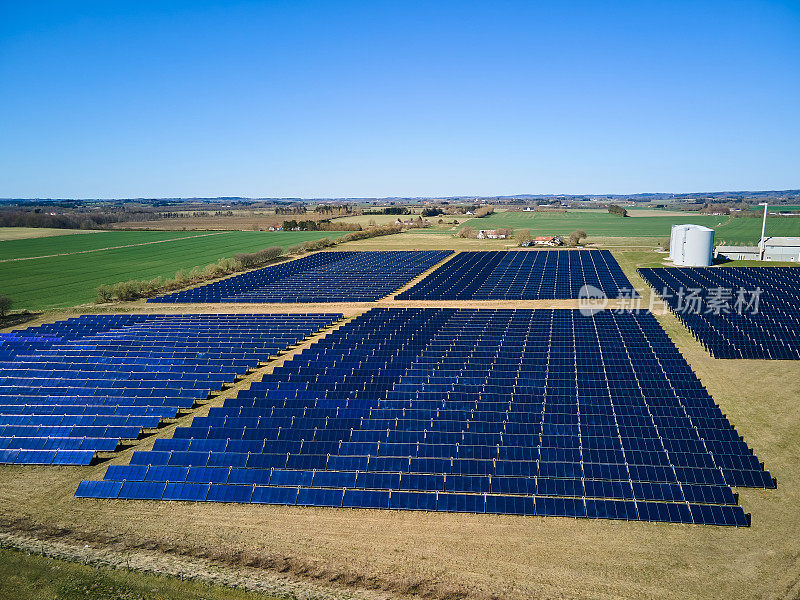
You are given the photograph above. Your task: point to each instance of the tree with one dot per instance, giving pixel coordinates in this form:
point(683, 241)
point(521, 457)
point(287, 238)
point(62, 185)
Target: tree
point(615, 209)
point(523, 236)
point(432, 212)
point(576, 236)
point(5, 305)
point(104, 293)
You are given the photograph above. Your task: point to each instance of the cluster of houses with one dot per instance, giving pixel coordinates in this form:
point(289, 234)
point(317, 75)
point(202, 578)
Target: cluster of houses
point(501, 234)
point(491, 234)
point(544, 240)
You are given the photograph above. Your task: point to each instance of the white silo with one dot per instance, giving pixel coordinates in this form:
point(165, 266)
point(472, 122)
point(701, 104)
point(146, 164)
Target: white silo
point(692, 245)
point(676, 240)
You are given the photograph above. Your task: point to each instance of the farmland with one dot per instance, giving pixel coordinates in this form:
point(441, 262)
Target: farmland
point(18, 233)
point(396, 553)
point(70, 279)
point(594, 223)
point(728, 230)
point(445, 555)
point(748, 230)
point(67, 244)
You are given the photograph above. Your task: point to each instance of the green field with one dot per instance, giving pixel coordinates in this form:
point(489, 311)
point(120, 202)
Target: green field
point(777, 207)
point(65, 244)
point(746, 230)
point(59, 281)
point(597, 224)
point(593, 223)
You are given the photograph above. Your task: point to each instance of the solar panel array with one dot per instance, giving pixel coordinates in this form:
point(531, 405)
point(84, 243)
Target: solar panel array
point(320, 277)
point(522, 275)
point(541, 412)
point(74, 388)
point(735, 312)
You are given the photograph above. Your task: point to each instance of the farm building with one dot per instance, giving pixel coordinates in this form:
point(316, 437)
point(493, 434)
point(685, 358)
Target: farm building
point(544, 240)
point(775, 249)
point(491, 234)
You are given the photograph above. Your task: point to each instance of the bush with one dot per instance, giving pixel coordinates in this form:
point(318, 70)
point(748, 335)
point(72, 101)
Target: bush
point(371, 232)
point(484, 211)
point(467, 232)
point(317, 244)
point(152, 287)
point(127, 290)
point(213, 271)
point(297, 249)
point(576, 236)
point(254, 259)
point(5, 305)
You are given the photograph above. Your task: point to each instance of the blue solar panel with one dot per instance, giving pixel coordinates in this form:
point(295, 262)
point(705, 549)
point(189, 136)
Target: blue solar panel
point(523, 275)
point(524, 412)
point(320, 277)
point(735, 312)
point(73, 388)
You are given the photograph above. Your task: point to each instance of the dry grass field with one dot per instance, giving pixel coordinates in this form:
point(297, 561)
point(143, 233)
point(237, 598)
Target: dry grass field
point(433, 555)
point(21, 233)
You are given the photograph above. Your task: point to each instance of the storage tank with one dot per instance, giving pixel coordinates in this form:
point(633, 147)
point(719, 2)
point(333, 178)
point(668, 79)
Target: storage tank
point(691, 245)
point(676, 237)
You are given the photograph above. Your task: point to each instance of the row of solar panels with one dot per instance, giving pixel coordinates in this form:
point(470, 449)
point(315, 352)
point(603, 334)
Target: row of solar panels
point(428, 482)
point(735, 312)
point(686, 452)
point(368, 276)
point(320, 277)
point(77, 387)
point(520, 275)
point(443, 502)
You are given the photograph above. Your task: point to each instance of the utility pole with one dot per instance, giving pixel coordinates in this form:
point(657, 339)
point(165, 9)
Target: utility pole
point(763, 227)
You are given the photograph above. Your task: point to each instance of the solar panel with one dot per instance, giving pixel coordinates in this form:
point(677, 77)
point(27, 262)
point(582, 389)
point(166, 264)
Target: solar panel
point(735, 312)
point(73, 388)
point(524, 412)
point(523, 275)
point(320, 277)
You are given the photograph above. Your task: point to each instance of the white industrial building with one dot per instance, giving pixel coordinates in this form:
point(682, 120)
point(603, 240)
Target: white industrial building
point(691, 245)
point(775, 249)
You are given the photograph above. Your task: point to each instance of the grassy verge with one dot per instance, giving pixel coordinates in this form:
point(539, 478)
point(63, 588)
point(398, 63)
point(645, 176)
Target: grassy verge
point(30, 577)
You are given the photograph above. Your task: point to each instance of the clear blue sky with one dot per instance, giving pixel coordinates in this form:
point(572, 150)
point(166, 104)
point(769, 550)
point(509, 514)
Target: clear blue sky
point(372, 98)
